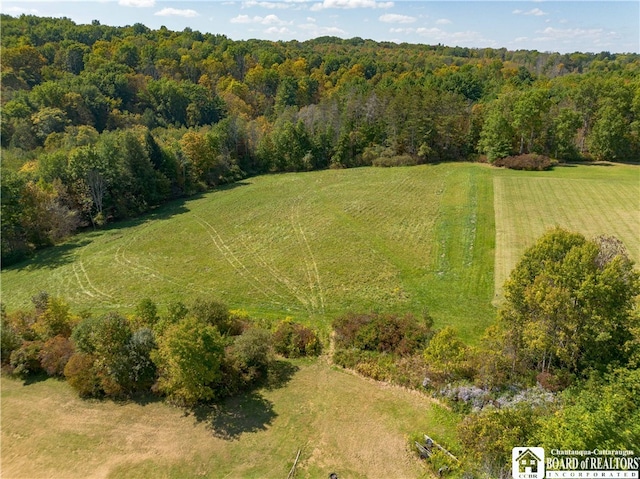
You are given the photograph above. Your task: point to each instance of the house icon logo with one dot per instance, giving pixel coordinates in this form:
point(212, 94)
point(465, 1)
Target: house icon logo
point(527, 462)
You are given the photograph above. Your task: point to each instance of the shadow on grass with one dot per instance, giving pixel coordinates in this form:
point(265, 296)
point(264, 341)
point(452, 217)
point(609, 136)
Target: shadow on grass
point(280, 373)
point(52, 257)
point(55, 256)
point(247, 412)
point(34, 378)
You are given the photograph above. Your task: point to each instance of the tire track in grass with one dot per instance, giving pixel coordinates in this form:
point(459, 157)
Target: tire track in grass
point(135, 266)
point(313, 275)
point(288, 284)
point(240, 268)
point(82, 288)
point(102, 296)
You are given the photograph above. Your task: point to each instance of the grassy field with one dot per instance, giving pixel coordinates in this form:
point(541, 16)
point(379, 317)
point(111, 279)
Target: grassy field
point(314, 245)
point(343, 423)
point(593, 200)
point(309, 245)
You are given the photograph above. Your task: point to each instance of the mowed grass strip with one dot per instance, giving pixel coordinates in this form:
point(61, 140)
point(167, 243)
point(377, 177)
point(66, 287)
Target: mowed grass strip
point(306, 245)
point(592, 200)
point(343, 423)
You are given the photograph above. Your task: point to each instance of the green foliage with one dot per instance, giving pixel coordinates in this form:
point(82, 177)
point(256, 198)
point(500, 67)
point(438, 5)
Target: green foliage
point(141, 369)
point(604, 412)
point(489, 436)
point(82, 375)
point(55, 320)
point(294, 340)
point(496, 137)
point(188, 358)
point(133, 117)
point(609, 139)
point(247, 362)
point(530, 162)
point(381, 367)
point(570, 304)
point(9, 339)
point(25, 360)
point(403, 160)
point(447, 356)
point(146, 314)
point(121, 358)
point(215, 314)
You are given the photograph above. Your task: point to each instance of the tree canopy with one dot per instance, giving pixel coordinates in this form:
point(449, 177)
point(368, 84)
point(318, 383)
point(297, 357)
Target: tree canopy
point(102, 123)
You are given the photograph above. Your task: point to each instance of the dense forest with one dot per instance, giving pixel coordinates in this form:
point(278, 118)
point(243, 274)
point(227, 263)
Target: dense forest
point(102, 123)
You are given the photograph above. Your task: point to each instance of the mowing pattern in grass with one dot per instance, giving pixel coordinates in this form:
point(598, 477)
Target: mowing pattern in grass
point(592, 200)
point(308, 245)
point(343, 423)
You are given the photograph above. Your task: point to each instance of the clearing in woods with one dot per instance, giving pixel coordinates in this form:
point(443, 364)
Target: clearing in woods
point(343, 423)
point(306, 245)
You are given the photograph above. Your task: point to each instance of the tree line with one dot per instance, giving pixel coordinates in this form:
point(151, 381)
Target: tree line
point(101, 123)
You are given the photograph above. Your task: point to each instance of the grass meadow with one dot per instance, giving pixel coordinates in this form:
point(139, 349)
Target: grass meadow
point(342, 423)
point(590, 199)
point(308, 245)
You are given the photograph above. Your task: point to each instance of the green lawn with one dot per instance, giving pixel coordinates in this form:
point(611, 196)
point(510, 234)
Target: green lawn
point(593, 200)
point(343, 423)
point(307, 245)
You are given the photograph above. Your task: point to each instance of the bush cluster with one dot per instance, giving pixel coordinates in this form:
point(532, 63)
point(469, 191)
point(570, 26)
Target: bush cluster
point(396, 160)
point(384, 347)
point(190, 355)
point(529, 162)
point(383, 333)
point(294, 340)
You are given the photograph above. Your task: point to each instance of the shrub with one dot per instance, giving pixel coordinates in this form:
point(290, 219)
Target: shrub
point(122, 358)
point(216, 314)
point(141, 369)
point(380, 368)
point(55, 320)
point(146, 314)
point(384, 333)
point(189, 359)
point(246, 362)
point(9, 340)
point(252, 350)
point(530, 162)
point(82, 375)
point(489, 436)
point(55, 354)
point(24, 360)
point(21, 322)
point(447, 356)
point(293, 340)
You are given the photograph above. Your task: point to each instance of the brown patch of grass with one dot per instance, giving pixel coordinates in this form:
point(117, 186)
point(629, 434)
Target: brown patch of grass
point(355, 427)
